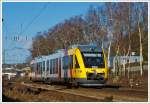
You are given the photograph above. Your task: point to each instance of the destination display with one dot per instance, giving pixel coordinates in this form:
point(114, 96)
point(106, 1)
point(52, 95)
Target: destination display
point(92, 54)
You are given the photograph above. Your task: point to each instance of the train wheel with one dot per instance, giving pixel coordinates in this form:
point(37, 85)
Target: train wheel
point(75, 84)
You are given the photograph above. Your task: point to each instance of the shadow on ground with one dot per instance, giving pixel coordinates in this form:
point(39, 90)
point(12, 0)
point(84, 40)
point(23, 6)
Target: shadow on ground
point(7, 99)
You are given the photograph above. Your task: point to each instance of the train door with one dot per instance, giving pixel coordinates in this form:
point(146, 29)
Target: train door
point(62, 70)
point(51, 63)
point(59, 68)
point(77, 67)
point(47, 69)
point(37, 71)
point(65, 68)
point(74, 69)
point(43, 70)
point(71, 66)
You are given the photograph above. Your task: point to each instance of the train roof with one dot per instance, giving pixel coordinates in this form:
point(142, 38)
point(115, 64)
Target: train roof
point(59, 53)
point(63, 52)
point(87, 48)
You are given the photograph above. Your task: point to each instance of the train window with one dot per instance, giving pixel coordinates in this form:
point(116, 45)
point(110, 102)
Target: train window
point(47, 65)
point(77, 64)
point(37, 67)
point(40, 67)
point(93, 60)
point(33, 67)
point(56, 65)
point(50, 66)
point(65, 62)
point(135, 60)
point(71, 62)
point(59, 65)
point(35, 70)
point(53, 66)
point(43, 66)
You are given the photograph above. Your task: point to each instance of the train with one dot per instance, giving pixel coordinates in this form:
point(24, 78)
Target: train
point(79, 65)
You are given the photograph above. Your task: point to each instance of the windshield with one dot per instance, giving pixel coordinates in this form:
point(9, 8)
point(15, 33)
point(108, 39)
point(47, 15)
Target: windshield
point(93, 60)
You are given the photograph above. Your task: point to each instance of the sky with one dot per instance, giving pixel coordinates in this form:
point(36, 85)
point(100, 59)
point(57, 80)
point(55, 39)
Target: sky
point(25, 19)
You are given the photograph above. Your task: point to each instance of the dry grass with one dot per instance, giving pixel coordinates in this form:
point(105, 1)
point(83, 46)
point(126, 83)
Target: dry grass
point(135, 81)
point(22, 93)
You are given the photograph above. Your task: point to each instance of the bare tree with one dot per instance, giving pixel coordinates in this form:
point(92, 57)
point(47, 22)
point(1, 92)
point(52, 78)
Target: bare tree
point(140, 41)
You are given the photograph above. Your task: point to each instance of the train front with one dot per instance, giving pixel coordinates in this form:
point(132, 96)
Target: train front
point(94, 71)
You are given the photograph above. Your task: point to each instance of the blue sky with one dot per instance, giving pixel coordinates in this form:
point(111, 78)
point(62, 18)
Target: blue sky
point(17, 18)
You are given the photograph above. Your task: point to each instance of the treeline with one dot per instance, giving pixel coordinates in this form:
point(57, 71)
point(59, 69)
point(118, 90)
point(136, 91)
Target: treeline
point(112, 25)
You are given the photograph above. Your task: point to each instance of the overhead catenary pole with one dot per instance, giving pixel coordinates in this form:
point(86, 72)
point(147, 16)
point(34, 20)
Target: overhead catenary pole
point(129, 48)
point(109, 54)
point(140, 38)
point(124, 63)
point(110, 30)
point(4, 56)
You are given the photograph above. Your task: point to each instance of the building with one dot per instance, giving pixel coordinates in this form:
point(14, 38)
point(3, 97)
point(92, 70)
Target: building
point(121, 60)
point(124, 59)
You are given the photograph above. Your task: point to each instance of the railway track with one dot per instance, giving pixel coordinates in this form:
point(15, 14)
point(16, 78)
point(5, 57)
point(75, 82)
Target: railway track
point(95, 94)
point(61, 90)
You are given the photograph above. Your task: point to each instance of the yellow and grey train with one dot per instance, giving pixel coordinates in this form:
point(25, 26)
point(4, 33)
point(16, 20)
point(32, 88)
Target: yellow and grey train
point(79, 65)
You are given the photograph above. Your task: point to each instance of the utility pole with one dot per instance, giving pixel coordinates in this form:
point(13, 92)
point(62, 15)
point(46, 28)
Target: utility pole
point(140, 38)
point(4, 48)
point(4, 56)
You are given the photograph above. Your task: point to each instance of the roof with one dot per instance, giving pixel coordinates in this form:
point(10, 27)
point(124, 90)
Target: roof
point(63, 52)
point(88, 48)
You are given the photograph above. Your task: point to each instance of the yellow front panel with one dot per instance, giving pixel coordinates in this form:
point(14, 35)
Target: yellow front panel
point(97, 70)
point(81, 72)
